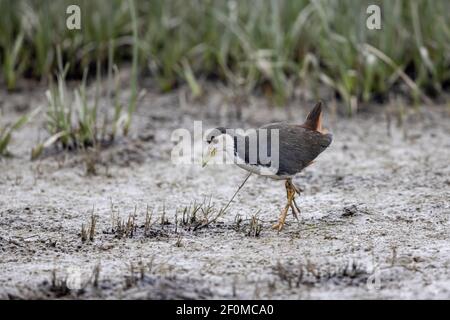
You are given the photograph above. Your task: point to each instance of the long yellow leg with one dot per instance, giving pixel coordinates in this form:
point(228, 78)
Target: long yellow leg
point(290, 194)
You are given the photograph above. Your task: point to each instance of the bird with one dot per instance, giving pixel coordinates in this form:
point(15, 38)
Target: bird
point(277, 150)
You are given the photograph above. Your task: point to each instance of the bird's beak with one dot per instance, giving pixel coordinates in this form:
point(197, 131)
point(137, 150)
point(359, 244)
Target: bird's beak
point(209, 155)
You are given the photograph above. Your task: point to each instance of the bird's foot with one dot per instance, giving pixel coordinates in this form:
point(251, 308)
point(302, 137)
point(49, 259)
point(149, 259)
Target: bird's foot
point(280, 224)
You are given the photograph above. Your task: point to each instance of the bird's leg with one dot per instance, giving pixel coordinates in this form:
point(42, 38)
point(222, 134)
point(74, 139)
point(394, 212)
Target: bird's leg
point(297, 189)
point(290, 193)
point(296, 208)
point(282, 218)
point(293, 189)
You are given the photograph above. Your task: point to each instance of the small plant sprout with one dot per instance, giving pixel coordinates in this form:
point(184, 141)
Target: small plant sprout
point(58, 285)
point(164, 220)
point(237, 222)
point(131, 279)
point(88, 232)
point(96, 275)
point(255, 226)
point(123, 228)
point(189, 217)
point(7, 131)
point(179, 242)
point(148, 221)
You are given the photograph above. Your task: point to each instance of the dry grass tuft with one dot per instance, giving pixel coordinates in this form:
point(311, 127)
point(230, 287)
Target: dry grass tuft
point(88, 232)
point(255, 227)
point(309, 273)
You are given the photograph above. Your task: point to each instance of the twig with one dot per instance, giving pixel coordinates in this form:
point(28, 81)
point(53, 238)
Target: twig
point(223, 210)
point(234, 195)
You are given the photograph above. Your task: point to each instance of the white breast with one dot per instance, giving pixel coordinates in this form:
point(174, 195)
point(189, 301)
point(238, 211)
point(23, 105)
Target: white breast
point(259, 170)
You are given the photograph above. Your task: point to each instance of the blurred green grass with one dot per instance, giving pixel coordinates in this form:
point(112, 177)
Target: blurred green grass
point(268, 45)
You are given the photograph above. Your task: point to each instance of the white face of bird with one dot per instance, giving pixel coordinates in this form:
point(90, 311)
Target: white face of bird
point(210, 153)
point(222, 142)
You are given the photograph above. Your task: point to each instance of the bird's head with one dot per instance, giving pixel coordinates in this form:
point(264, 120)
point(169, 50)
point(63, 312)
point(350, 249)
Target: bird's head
point(217, 139)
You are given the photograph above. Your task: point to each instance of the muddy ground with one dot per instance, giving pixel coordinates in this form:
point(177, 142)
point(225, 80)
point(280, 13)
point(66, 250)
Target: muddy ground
point(374, 222)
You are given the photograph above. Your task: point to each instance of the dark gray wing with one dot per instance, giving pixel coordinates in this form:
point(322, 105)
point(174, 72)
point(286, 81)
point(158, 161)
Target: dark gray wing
point(298, 146)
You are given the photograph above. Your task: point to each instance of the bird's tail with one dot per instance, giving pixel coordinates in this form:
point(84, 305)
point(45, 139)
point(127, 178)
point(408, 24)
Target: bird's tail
point(314, 119)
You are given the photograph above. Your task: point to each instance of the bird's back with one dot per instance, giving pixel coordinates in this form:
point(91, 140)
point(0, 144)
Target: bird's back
point(290, 147)
point(298, 146)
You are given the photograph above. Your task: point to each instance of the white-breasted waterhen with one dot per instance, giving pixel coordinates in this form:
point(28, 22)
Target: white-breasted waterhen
point(297, 147)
